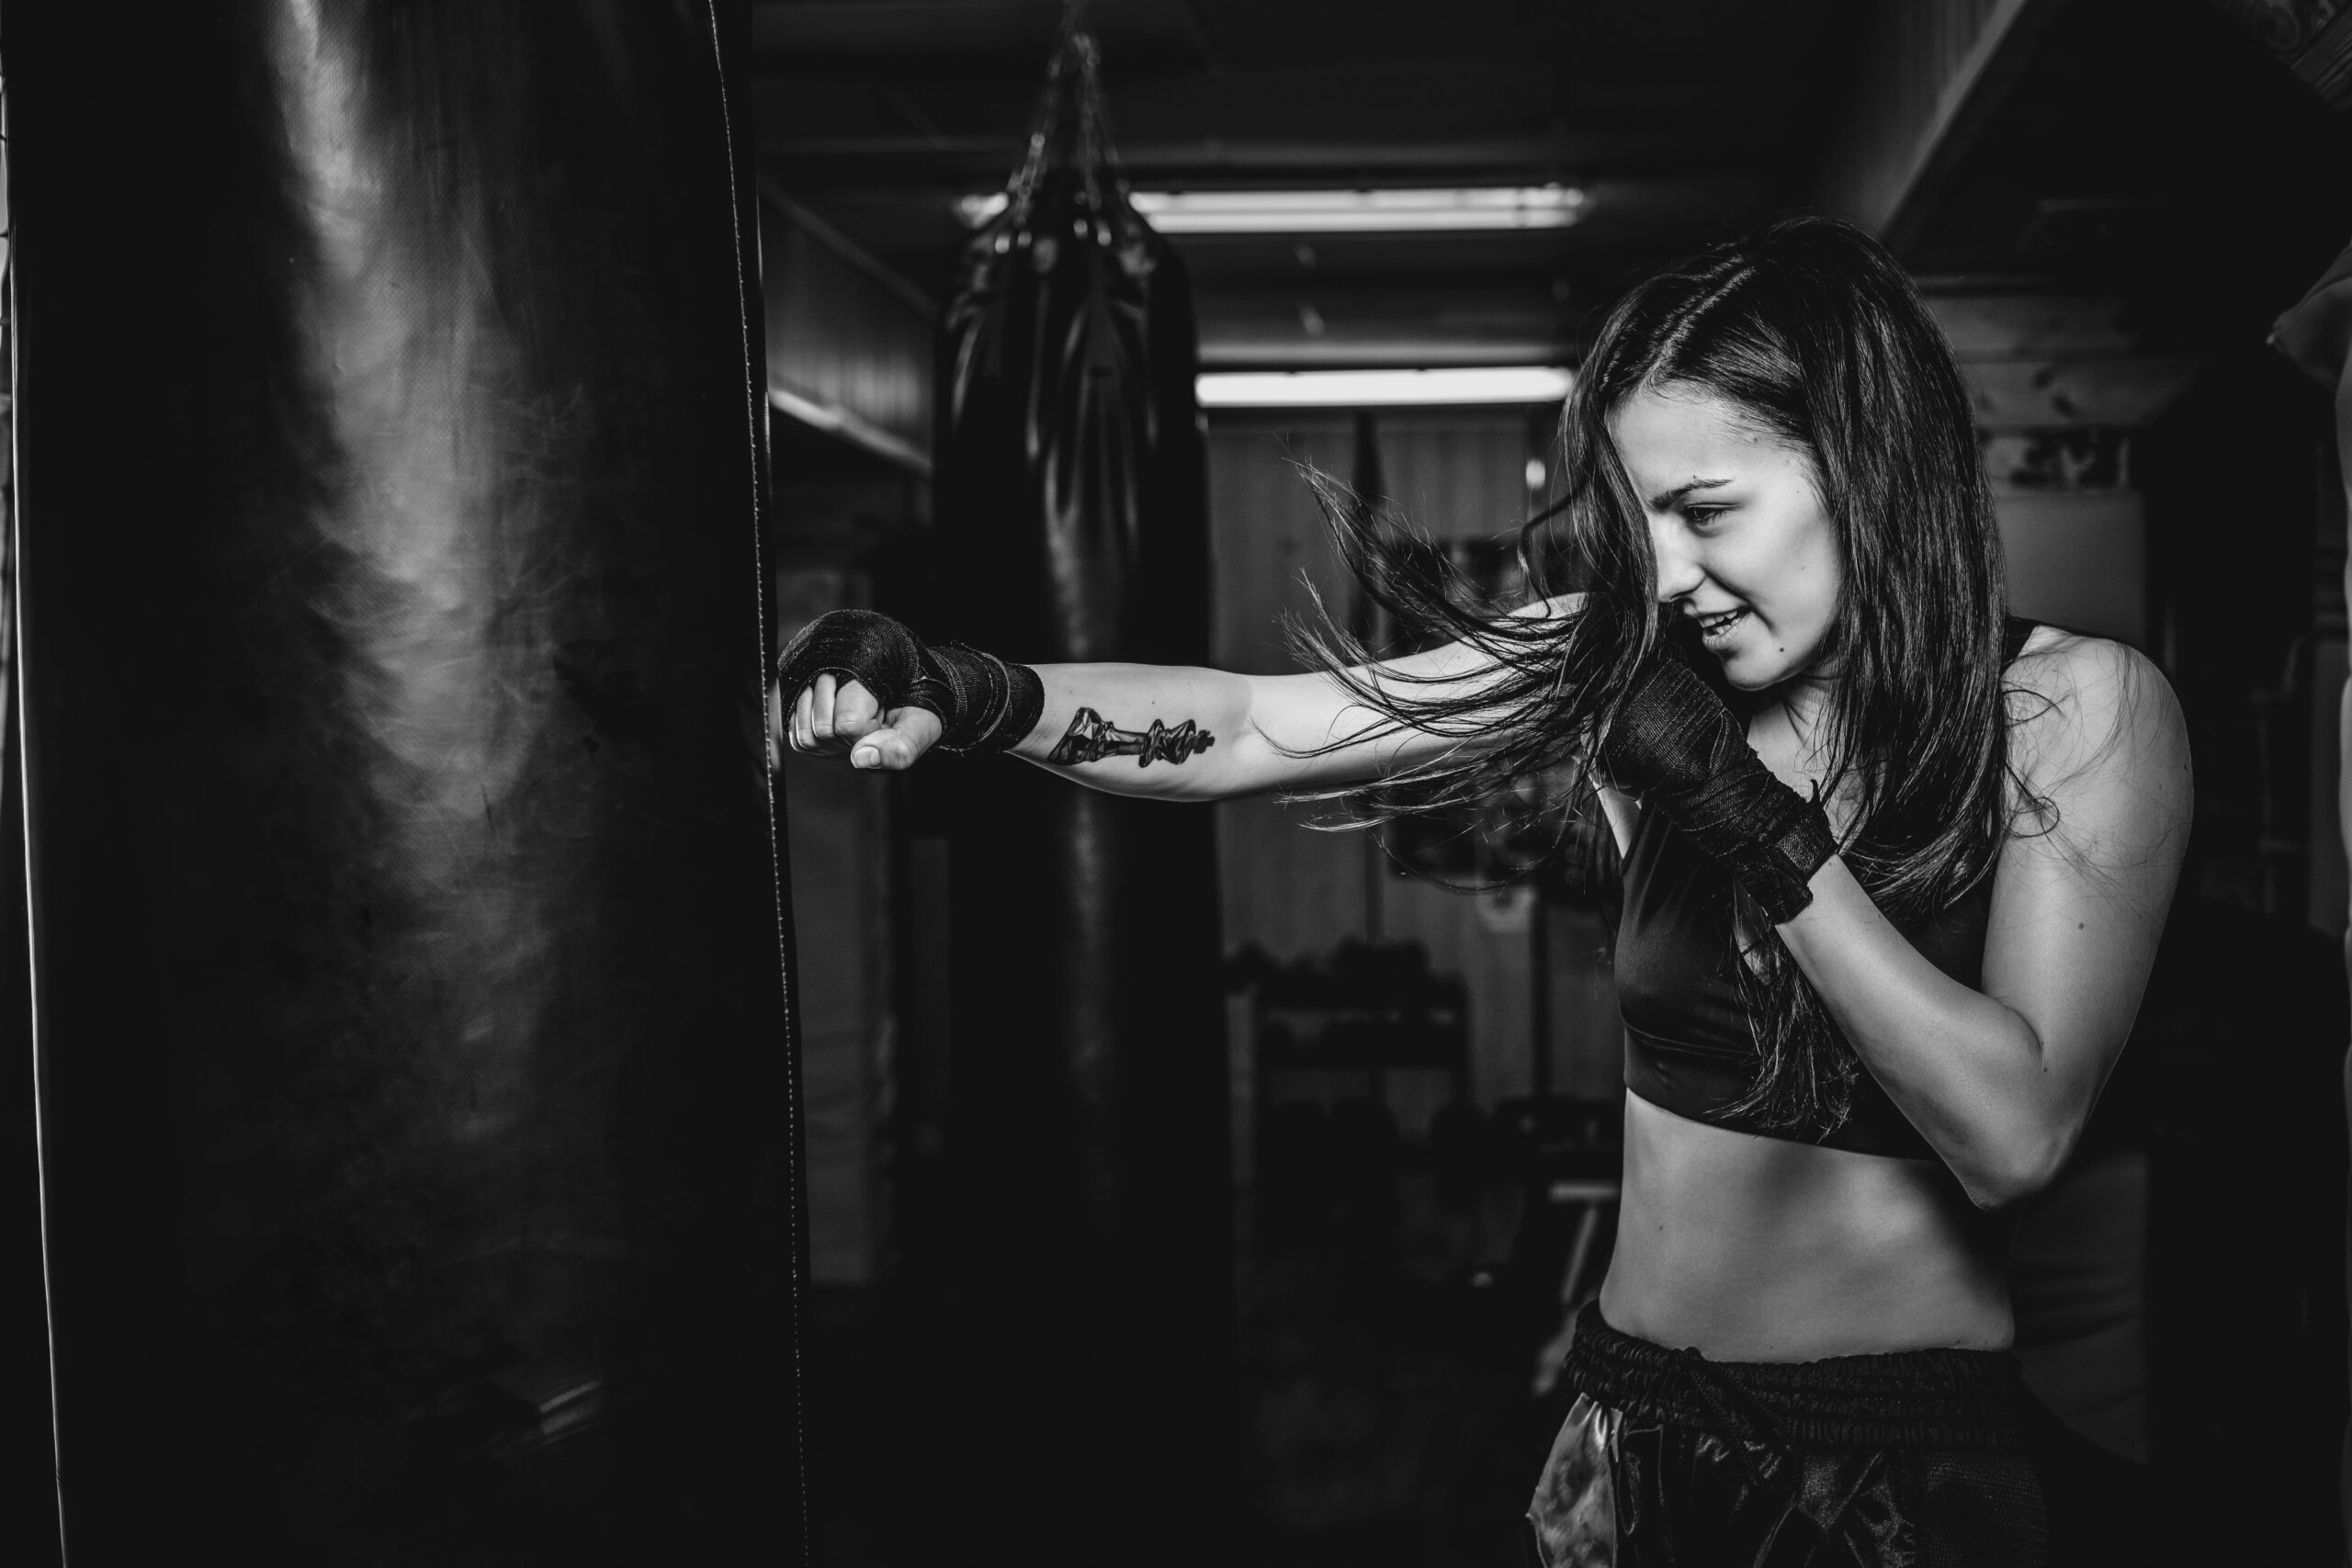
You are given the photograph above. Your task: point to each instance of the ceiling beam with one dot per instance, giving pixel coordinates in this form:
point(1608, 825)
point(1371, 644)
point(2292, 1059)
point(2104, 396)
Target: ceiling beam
point(2033, 326)
point(1934, 72)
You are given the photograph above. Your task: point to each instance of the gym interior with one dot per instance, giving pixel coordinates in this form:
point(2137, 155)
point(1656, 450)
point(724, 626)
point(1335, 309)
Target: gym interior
point(457, 1114)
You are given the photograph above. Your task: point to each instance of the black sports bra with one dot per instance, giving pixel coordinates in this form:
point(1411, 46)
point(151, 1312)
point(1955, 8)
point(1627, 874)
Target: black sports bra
point(1688, 1047)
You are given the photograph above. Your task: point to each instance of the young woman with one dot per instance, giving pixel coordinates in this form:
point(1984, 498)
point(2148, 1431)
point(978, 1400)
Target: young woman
point(1894, 869)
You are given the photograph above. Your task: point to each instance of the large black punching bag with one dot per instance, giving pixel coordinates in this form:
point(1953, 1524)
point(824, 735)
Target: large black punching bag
point(1087, 1133)
point(417, 1101)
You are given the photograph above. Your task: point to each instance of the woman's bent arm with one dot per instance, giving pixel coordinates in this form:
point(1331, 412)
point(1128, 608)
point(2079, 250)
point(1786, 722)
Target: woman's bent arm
point(2000, 1080)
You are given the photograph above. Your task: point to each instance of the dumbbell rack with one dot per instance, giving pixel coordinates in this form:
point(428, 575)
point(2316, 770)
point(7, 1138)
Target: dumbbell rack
point(1367, 1027)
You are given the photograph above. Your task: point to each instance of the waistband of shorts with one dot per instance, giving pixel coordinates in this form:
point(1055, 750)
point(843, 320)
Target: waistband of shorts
point(1958, 1399)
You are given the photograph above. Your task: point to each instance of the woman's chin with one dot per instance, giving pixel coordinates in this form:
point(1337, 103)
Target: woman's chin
point(1756, 665)
point(1745, 672)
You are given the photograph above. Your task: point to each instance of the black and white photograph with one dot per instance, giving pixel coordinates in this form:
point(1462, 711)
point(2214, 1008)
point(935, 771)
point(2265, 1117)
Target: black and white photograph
point(1191, 783)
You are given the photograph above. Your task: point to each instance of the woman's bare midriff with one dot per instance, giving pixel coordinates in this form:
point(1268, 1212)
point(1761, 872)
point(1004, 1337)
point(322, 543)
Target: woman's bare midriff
point(1750, 1248)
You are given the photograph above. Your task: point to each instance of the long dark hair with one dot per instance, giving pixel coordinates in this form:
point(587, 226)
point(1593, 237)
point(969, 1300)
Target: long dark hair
point(1811, 330)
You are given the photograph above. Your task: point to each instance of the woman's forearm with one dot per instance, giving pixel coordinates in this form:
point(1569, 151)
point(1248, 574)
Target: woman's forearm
point(1167, 732)
point(1174, 732)
point(1967, 1069)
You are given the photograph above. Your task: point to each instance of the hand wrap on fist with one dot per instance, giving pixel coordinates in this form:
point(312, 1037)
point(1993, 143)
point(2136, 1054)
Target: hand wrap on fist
point(1677, 745)
point(983, 703)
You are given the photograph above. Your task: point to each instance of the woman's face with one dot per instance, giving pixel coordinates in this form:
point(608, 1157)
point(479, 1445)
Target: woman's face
point(1745, 547)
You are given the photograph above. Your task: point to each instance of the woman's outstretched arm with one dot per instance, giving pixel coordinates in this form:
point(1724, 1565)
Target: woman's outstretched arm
point(1176, 732)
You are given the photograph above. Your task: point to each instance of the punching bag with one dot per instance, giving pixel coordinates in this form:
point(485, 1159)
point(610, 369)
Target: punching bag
point(1088, 1126)
point(419, 1126)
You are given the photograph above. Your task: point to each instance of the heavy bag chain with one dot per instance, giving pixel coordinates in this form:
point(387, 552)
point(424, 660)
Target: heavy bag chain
point(1075, 73)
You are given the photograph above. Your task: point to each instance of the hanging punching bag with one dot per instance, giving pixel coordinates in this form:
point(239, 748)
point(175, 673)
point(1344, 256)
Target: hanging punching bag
point(1088, 1134)
point(416, 1090)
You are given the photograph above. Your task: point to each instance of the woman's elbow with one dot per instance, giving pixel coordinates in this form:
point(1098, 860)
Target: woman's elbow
point(2008, 1170)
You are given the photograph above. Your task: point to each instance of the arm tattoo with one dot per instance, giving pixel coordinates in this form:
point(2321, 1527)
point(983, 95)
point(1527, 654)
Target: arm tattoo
point(1090, 739)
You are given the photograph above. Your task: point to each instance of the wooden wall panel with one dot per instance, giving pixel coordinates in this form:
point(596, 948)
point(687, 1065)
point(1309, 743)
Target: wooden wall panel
point(1265, 534)
point(849, 343)
point(1290, 890)
point(1458, 475)
point(1463, 476)
point(1295, 892)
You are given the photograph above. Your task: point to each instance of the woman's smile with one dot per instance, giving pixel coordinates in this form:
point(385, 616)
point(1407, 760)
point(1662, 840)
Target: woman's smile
point(1715, 630)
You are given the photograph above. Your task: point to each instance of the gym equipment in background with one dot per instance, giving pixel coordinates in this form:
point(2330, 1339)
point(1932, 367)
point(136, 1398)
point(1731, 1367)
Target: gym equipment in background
point(1090, 1252)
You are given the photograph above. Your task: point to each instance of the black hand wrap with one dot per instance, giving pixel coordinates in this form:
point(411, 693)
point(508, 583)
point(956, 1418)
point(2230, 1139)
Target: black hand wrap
point(983, 703)
point(1681, 749)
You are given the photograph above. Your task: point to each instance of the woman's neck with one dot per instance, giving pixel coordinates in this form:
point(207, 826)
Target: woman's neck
point(1801, 709)
point(1793, 731)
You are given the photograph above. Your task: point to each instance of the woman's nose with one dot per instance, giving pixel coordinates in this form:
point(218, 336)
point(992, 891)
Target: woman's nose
point(1677, 566)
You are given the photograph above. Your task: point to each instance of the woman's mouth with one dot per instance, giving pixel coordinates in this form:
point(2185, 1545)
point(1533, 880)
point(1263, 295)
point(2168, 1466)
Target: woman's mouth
point(1713, 629)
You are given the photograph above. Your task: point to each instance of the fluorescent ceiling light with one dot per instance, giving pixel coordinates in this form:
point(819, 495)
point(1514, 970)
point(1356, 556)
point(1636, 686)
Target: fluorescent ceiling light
point(1366, 389)
point(1358, 212)
point(1336, 211)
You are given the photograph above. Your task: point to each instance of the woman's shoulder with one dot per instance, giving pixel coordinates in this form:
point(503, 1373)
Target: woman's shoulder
point(2082, 707)
point(2075, 673)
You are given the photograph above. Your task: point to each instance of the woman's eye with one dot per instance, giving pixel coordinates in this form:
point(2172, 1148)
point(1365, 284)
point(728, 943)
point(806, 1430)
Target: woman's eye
point(1703, 516)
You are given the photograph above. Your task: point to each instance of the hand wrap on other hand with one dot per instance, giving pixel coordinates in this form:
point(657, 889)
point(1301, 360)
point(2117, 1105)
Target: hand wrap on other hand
point(983, 703)
point(1683, 751)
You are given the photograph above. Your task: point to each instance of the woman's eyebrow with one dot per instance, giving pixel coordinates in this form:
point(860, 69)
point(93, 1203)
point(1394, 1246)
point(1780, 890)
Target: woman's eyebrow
point(1665, 498)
